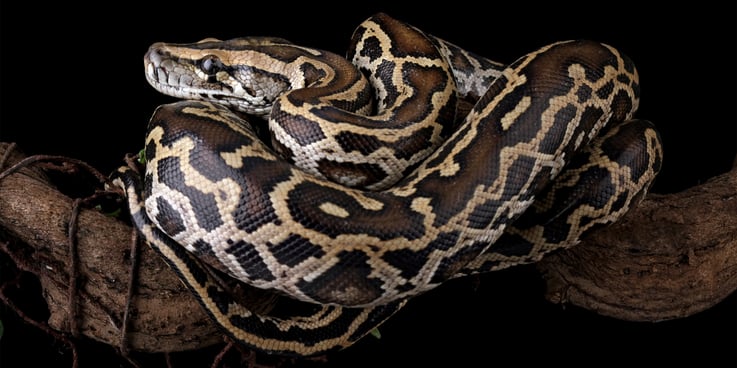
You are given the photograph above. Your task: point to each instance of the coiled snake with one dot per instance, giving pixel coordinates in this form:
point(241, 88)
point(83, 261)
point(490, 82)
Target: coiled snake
point(374, 188)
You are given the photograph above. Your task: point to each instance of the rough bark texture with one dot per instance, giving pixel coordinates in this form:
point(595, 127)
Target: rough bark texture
point(670, 257)
point(164, 316)
point(673, 256)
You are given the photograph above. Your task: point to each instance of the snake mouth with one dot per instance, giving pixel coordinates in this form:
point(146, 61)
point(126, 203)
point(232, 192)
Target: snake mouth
point(171, 78)
point(177, 77)
point(161, 80)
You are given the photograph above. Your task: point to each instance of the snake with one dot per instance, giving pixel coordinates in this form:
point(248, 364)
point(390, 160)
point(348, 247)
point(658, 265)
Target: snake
point(305, 197)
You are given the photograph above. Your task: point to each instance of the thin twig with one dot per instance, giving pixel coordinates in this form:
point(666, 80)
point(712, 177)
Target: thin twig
point(33, 267)
point(74, 259)
point(167, 358)
point(19, 262)
point(46, 329)
point(8, 150)
point(221, 355)
point(103, 179)
point(131, 292)
point(73, 267)
point(131, 361)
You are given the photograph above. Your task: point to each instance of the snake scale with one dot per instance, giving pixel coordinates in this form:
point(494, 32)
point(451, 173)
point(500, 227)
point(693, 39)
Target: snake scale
point(370, 186)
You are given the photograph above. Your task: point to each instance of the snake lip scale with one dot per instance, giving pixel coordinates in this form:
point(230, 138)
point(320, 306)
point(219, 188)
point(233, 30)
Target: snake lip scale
point(372, 187)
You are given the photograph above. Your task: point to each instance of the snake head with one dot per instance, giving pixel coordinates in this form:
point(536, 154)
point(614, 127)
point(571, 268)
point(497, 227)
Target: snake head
point(235, 72)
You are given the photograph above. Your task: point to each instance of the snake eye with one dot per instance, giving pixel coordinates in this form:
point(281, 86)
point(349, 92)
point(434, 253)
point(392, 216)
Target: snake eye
point(211, 65)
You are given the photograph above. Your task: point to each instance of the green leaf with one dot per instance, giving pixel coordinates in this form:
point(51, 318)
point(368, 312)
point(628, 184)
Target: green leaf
point(142, 156)
point(114, 213)
point(375, 333)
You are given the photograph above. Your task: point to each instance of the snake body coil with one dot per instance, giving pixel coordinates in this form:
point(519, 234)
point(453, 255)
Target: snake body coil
point(345, 234)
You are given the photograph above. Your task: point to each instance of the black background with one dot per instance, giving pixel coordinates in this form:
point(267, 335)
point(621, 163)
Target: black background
point(72, 83)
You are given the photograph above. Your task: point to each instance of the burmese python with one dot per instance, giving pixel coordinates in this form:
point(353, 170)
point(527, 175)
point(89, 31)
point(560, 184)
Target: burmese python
point(364, 199)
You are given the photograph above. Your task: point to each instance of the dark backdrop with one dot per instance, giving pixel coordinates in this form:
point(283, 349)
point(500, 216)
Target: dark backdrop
point(72, 83)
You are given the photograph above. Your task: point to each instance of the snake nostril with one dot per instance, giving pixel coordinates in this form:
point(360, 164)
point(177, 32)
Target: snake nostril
point(153, 55)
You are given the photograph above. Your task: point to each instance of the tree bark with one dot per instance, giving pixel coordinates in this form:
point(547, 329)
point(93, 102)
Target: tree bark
point(671, 257)
point(165, 317)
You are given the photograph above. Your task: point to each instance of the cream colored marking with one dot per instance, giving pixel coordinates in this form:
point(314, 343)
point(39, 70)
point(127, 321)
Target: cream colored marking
point(334, 210)
point(321, 318)
point(366, 202)
point(449, 167)
point(235, 159)
point(509, 118)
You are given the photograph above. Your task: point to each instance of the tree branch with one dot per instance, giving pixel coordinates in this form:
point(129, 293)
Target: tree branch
point(165, 316)
point(673, 256)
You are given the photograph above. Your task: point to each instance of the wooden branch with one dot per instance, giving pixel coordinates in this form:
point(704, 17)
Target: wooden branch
point(165, 316)
point(673, 256)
